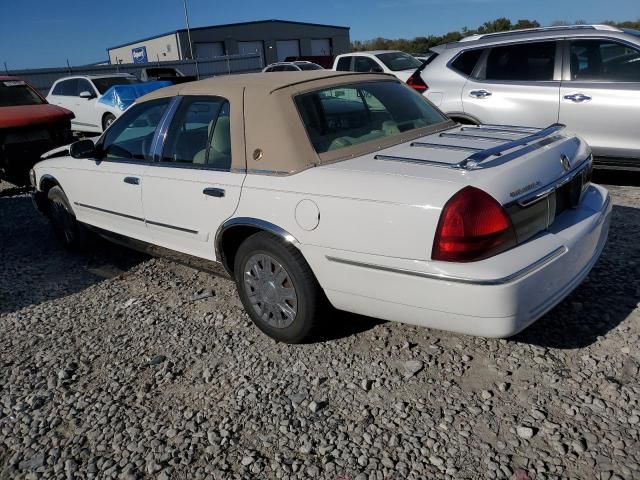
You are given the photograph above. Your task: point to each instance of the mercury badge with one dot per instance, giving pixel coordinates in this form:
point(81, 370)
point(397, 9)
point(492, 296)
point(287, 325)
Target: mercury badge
point(564, 161)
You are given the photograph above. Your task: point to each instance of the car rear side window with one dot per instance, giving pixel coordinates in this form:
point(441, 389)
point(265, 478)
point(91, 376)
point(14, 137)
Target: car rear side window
point(66, 88)
point(343, 116)
point(344, 64)
point(522, 62)
point(604, 60)
point(466, 62)
point(200, 134)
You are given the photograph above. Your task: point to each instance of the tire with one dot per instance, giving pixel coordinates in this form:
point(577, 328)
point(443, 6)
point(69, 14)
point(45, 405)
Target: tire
point(69, 232)
point(265, 254)
point(107, 120)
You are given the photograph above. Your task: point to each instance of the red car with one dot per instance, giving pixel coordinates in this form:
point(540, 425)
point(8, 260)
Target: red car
point(29, 127)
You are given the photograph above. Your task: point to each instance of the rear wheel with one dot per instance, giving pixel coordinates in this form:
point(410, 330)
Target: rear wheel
point(107, 120)
point(278, 288)
point(72, 234)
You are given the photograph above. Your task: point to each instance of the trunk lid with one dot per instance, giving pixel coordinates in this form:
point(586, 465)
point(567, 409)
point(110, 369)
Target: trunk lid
point(510, 163)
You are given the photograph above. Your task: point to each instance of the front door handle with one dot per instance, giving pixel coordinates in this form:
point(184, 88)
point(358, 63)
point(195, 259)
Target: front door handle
point(480, 93)
point(132, 180)
point(577, 97)
point(214, 192)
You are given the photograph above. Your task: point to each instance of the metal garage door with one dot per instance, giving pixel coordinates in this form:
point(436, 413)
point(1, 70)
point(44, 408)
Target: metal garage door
point(209, 49)
point(245, 48)
point(320, 47)
point(287, 48)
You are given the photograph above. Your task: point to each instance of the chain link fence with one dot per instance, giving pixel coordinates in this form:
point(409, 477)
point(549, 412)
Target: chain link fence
point(43, 78)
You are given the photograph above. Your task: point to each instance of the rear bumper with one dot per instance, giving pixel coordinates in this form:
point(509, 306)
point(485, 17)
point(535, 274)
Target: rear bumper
point(496, 297)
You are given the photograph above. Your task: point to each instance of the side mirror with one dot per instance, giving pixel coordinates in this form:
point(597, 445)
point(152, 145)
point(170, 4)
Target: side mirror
point(83, 149)
point(87, 95)
point(377, 69)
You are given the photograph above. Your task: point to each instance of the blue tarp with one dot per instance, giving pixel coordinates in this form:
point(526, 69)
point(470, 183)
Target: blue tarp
point(122, 96)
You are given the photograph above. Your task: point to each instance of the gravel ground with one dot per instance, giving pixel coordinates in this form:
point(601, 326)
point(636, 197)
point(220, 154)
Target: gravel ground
point(116, 365)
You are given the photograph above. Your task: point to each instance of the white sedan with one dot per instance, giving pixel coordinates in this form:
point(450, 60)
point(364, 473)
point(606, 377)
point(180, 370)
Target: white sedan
point(316, 188)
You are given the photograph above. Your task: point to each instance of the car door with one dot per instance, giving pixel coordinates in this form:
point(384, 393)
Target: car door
point(515, 84)
point(85, 107)
point(600, 95)
point(107, 190)
point(193, 189)
point(63, 94)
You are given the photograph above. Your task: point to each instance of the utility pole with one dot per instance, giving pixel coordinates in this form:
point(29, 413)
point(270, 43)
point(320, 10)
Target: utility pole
point(186, 18)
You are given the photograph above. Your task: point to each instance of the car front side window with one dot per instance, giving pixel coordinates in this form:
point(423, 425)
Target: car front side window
point(200, 134)
point(130, 137)
point(522, 62)
point(604, 60)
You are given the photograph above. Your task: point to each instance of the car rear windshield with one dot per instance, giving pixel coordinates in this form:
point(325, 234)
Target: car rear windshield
point(396, 61)
point(14, 93)
point(308, 66)
point(346, 115)
point(104, 84)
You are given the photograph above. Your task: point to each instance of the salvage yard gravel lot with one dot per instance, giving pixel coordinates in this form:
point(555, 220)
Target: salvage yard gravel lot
point(117, 365)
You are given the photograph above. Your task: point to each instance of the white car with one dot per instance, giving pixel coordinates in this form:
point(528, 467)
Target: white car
point(81, 95)
point(311, 187)
point(400, 64)
point(297, 66)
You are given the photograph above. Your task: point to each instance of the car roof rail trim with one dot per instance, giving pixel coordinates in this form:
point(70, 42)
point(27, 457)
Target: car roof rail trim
point(524, 31)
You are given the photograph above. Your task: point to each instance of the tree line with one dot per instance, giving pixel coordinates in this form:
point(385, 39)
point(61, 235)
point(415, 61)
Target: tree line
point(423, 44)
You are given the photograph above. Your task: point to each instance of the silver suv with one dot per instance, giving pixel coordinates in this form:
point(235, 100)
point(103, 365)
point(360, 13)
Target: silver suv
point(584, 76)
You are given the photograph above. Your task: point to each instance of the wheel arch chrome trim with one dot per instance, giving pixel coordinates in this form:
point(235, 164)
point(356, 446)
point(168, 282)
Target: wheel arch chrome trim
point(550, 257)
point(247, 222)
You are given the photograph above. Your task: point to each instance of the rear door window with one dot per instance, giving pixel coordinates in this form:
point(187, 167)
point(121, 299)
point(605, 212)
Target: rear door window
point(200, 134)
point(466, 62)
point(66, 88)
point(604, 60)
point(522, 62)
point(344, 64)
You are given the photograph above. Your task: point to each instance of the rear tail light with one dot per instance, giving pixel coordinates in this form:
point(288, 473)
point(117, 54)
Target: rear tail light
point(415, 81)
point(472, 226)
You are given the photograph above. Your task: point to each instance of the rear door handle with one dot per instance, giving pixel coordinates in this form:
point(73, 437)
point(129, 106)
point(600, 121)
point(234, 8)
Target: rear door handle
point(577, 97)
point(214, 192)
point(132, 180)
point(479, 93)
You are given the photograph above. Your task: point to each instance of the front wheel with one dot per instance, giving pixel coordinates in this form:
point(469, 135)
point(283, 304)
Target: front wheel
point(278, 288)
point(71, 234)
point(108, 119)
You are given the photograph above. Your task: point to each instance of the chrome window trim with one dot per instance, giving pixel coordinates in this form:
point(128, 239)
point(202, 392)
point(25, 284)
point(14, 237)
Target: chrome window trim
point(558, 252)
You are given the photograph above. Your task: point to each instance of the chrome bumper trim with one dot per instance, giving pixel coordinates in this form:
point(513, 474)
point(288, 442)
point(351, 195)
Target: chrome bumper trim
point(558, 252)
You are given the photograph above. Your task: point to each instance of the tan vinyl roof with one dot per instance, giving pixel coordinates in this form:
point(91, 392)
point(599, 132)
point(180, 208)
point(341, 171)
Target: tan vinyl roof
point(267, 133)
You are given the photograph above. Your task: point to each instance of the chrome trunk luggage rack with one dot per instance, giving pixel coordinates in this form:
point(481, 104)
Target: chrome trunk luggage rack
point(480, 155)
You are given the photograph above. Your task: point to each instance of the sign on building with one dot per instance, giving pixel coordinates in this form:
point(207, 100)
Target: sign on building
point(139, 55)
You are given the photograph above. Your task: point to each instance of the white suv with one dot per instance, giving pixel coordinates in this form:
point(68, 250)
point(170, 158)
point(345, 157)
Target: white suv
point(81, 95)
point(584, 76)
